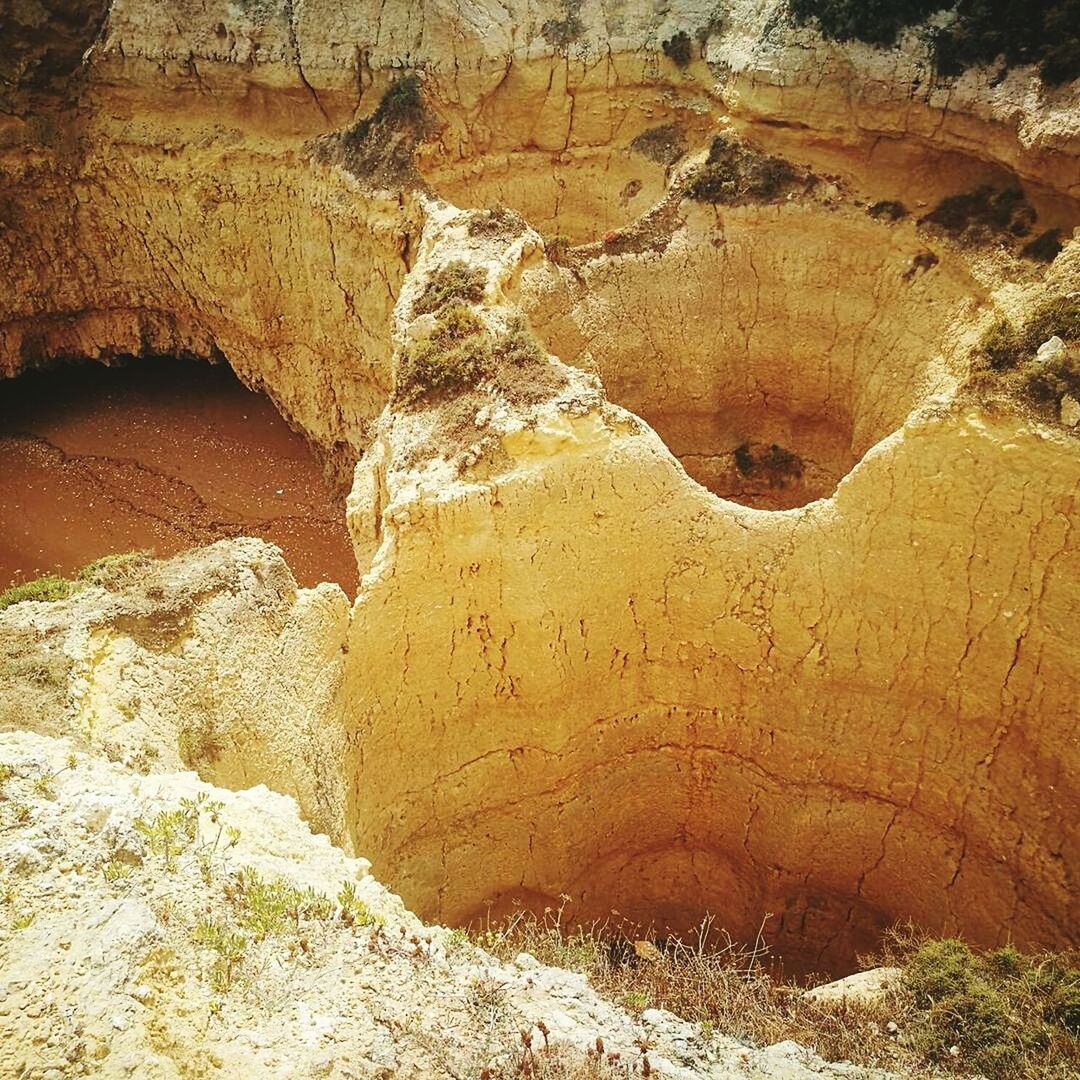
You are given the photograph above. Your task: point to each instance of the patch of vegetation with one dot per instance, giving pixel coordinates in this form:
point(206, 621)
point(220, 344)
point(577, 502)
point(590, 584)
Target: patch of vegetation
point(523, 373)
point(1041, 32)
point(43, 589)
point(1000, 1013)
point(1007, 1015)
point(382, 146)
point(455, 357)
point(1006, 357)
point(172, 832)
point(677, 48)
point(112, 570)
point(495, 221)
point(1045, 247)
point(983, 215)
point(877, 22)
point(735, 172)
point(664, 144)
point(773, 464)
point(888, 210)
point(561, 33)
point(455, 280)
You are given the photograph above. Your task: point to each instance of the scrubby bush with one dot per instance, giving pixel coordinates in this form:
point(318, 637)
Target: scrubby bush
point(455, 357)
point(888, 210)
point(1000, 1013)
point(1042, 32)
point(664, 144)
point(735, 172)
point(774, 464)
point(455, 280)
point(877, 22)
point(983, 214)
point(1010, 354)
point(381, 147)
point(677, 48)
point(1045, 247)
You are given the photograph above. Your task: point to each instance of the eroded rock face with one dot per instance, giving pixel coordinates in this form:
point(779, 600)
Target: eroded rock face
point(572, 669)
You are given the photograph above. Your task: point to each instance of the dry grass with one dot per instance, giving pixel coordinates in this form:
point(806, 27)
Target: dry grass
point(1024, 1020)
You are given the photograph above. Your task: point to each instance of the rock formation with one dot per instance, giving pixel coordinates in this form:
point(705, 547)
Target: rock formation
point(723, 573)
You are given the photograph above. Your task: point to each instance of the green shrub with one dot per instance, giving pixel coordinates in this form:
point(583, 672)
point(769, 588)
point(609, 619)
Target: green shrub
point(1007, 1014)
point(735, 172)
point(455, 280)
point(1042, 32)
point(381, 147)
point(455, 357)
point(43, 589)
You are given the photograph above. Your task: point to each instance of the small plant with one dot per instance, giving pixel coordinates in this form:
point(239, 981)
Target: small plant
point(1046, 247)
point(22, 920)
point(117, 870)
point(560, 33)
point(7, 772)
point(455, 280)
point(455, 357)
point(44, 786)
point(354, 912)
point(664, 144)
point(172, 832)
point(774, 464)
point(230, 947)
point(888, 210)
point(1011, 354)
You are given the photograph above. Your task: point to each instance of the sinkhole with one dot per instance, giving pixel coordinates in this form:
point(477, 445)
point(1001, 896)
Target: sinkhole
point(770, 346)
point(157, 453)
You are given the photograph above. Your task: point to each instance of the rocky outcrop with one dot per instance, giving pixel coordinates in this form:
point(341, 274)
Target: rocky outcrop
point(213, 661)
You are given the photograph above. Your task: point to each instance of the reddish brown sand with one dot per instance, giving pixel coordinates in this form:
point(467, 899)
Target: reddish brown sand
point(159, 454)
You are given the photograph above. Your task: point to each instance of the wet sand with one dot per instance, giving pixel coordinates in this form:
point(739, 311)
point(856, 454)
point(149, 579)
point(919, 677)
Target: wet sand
point(161, 454)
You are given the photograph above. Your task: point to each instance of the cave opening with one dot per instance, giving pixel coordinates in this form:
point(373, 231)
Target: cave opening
point(157, 453)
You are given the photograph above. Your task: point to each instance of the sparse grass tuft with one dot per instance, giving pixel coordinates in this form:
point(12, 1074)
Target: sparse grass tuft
point(42, 589)
point(112, 570)
point(456, 280)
